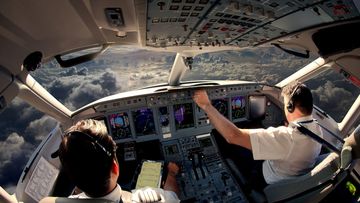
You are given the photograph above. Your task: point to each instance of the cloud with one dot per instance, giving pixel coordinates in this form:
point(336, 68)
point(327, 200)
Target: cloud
point(333, 98)
point(262, 64)
point(10, 146)
point(14, 153)
point(84, 87)
point(40, 128)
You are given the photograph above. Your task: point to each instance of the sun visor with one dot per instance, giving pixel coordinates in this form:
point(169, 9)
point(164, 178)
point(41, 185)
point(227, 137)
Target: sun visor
point(338, 39)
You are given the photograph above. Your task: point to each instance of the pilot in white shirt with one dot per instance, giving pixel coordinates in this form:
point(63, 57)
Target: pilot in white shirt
point(88, 156)
point(286, 151)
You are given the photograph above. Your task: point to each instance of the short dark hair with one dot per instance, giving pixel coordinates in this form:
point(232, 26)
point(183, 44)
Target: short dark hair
point(83, 156)
point(300, 95)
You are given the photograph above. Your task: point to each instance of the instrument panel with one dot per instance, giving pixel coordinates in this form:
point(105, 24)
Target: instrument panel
point(169, 126)
point(172, 114)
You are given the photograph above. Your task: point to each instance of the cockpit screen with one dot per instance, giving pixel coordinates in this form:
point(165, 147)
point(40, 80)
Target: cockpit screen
point(171, 149)
point(238, 105)
point(184, 116)
point(120, 125)
point(205, 142)
point(144, 122)
point(221, 105)
point(164, 119)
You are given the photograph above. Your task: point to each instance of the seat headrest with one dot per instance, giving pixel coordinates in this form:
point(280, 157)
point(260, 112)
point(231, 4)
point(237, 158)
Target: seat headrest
point(354, 142)
point(346, 157)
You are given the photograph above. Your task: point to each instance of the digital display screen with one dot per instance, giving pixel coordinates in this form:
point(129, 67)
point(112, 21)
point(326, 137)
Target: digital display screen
point(120, 125)
point(171, 149)
point(206, 142)
point(221, 105)
point(144, 122)
point(164, 119)
point(238, 105)
point(184, 116)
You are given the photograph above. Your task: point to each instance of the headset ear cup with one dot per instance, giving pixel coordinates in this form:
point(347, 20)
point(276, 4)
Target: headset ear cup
point(290, 106)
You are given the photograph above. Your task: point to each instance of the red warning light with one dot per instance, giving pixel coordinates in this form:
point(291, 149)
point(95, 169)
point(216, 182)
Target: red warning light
point(354, 80)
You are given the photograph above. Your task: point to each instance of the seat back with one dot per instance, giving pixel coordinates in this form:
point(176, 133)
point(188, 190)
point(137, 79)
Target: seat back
point(125, 197)
point(316, 184)
point(72, 200)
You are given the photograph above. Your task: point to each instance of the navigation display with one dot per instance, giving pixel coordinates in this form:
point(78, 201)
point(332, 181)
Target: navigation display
point(119, 125)
point(238, 105)
point(184, 116)
point(221, 105)
point(164, 119)
point(144, 122)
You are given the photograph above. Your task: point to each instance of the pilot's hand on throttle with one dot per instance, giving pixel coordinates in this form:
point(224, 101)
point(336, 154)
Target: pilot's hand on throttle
point(201, 98)
point(173, 169)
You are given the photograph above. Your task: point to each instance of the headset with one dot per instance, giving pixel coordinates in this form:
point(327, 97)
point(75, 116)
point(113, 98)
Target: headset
point(290, 105)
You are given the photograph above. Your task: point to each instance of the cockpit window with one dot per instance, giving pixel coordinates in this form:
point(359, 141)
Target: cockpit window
point(333, 93)
point(22, 128)
point(118, 69)
point(262, 64)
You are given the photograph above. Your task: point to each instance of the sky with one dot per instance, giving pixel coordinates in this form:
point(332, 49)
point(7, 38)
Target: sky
point(121, 69)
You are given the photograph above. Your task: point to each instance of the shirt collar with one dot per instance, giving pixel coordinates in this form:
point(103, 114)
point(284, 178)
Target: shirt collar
point(114, 195)
point(294, 124)
point(304, 118)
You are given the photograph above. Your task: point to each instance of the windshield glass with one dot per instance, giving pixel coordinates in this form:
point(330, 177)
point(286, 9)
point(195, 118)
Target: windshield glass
point(118, 69)
point(262, 64)
point(333, 93)
point(22, 128)
point(121, 69)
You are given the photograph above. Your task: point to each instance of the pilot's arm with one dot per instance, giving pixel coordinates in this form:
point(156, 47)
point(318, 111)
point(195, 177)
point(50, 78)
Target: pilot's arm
point(170, 183)
point(226, 128)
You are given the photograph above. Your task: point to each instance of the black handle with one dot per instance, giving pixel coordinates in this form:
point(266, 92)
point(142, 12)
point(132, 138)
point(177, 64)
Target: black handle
point(301, 55)
point(79, 59)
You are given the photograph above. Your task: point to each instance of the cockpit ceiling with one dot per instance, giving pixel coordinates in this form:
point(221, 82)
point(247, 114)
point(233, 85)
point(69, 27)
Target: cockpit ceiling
point(236, 22)
point(60, 27)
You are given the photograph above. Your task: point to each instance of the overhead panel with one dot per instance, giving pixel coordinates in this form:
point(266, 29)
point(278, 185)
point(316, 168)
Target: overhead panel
point(170, 22)
point(235, 22)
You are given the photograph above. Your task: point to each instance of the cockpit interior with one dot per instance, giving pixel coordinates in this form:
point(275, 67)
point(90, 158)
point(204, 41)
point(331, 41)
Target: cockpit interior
point(161, 123)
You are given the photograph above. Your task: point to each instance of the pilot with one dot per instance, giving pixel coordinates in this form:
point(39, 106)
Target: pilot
point(286, 151)
point(88, 155)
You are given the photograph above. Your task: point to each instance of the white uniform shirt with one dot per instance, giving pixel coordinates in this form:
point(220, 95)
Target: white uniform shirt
point(286, 151)
point(117, 195)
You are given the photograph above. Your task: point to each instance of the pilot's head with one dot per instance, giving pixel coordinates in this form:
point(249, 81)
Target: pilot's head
point(88, 156)
point(298, 100)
